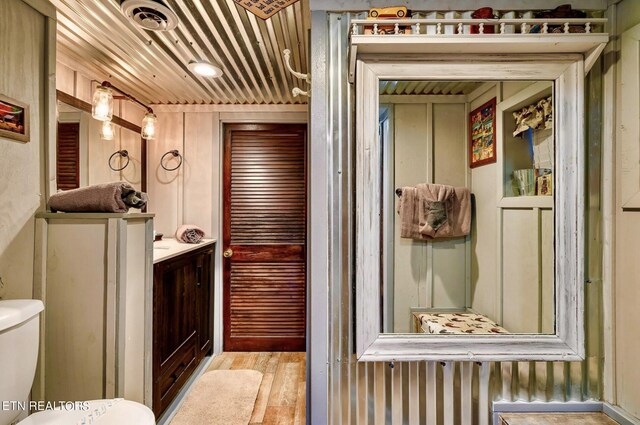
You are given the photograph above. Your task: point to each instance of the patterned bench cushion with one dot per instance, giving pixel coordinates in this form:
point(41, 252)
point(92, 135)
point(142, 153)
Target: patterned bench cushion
point(458, 323)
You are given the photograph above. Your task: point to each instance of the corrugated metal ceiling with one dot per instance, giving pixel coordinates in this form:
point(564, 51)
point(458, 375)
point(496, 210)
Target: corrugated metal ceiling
point(95, 36)
point(428, 87)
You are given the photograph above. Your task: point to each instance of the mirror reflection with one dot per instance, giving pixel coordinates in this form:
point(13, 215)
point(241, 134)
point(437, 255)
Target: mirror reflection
point(467, 216)
point(84, 147)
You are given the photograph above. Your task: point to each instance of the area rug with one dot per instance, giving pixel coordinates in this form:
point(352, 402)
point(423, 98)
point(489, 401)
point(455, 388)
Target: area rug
point(220, 397)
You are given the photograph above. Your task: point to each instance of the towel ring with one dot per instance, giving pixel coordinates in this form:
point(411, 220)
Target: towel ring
point(175, 153)
point(123, 154)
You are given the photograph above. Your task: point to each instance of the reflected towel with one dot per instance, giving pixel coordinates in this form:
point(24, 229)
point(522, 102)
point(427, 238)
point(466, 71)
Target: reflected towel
point(434, 207)
point(189, 233)
point(115, 197)
point(430, 211)
point(409, 211)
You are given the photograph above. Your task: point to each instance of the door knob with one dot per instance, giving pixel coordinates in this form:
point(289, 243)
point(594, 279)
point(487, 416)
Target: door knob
point(227, 253)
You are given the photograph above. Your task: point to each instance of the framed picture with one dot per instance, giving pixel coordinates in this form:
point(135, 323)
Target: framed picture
point(14, 119)
point(482, 134)
point(264, 9)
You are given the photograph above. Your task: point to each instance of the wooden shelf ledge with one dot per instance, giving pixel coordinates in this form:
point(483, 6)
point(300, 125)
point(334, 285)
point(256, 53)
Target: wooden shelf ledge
point(526, 202)
point(589, 45)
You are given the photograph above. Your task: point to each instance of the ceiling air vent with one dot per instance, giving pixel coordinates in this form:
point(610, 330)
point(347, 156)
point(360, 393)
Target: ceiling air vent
point(151, 15)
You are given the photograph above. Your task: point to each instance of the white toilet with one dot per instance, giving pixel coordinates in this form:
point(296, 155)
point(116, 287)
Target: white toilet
point(19, 336)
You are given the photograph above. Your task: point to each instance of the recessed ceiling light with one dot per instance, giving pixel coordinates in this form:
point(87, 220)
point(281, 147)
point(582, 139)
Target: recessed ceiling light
point(205, 69)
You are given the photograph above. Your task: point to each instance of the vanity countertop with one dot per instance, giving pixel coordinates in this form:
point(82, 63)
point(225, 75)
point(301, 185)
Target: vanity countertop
point(169, 248)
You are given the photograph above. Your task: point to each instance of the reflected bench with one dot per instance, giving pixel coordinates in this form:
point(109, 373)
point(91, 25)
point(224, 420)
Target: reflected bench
point(454, 322)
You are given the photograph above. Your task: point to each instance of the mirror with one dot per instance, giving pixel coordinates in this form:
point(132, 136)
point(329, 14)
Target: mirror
point(447, 269)
point(83, 157)
point(469, 209)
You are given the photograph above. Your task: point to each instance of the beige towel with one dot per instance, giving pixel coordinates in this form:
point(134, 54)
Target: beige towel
point(114, 197)
point(410, 214)
point(189, 233)
point(430, 211)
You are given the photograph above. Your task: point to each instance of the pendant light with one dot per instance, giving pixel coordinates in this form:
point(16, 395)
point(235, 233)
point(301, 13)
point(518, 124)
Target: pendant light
point(102, 107)
point(107, 130)
point(149, 126)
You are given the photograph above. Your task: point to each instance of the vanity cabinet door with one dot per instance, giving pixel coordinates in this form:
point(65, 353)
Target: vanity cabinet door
point(204, 307)
point(175, 324)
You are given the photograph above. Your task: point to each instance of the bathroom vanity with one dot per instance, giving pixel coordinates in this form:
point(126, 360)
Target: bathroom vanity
point(182, 315)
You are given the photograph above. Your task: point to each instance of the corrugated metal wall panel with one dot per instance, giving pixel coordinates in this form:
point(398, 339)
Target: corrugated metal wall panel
point(430, 392)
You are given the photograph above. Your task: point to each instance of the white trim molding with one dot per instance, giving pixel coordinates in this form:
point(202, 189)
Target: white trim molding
point(619, 415)
point(567, 344)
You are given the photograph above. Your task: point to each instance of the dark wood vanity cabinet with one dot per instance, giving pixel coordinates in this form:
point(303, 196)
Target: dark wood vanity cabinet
point(182, 321)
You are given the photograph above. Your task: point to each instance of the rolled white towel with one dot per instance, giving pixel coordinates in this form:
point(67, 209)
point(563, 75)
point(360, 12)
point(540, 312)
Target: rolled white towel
point(189, 233)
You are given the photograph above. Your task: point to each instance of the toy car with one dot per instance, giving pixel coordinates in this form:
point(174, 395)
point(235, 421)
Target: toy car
point(388, 12)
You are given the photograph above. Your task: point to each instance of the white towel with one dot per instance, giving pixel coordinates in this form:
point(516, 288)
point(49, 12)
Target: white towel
point(189, 233)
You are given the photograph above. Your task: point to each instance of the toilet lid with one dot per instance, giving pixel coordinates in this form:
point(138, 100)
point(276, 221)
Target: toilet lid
point(97, 412)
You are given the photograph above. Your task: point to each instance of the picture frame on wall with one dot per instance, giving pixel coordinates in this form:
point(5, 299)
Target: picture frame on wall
point(264, 9)
point(482, 134)
point(14, 119)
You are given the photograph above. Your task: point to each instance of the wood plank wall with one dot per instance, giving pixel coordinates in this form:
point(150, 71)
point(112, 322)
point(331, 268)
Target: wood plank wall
point(22, 165)
point(624, 388)
point(512, 251)
point(429, 146)
point(191, 194)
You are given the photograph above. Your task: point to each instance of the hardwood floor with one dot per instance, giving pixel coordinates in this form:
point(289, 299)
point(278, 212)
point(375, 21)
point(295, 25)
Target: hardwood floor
point(281, 398)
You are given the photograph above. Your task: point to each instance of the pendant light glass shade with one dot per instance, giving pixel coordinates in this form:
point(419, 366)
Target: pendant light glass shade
point(149, 126)
point(107, 130)
point(102, 108)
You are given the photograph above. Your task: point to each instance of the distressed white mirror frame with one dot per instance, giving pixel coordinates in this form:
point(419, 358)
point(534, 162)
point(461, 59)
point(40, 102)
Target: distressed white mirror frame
point(567, 71)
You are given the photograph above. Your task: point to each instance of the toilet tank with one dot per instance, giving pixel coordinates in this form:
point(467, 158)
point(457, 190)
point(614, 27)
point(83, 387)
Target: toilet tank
point(19, 331)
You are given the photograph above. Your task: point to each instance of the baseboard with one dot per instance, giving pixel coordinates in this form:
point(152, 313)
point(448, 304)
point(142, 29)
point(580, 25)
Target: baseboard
point(171, 411)
point(619, 415)
point(613, 412)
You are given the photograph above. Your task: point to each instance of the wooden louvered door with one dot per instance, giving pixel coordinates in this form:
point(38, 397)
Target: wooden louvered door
point(68, 156)
point(264, 237)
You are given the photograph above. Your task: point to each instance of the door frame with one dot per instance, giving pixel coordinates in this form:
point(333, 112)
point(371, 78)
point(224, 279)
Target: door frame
point(287, 116)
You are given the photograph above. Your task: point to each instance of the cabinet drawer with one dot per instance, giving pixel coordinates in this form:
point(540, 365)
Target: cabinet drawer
point(174, 377)
point(168, 365)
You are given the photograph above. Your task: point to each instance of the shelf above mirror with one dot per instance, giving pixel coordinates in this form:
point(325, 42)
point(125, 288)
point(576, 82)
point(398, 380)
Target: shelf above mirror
point(450, 36)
